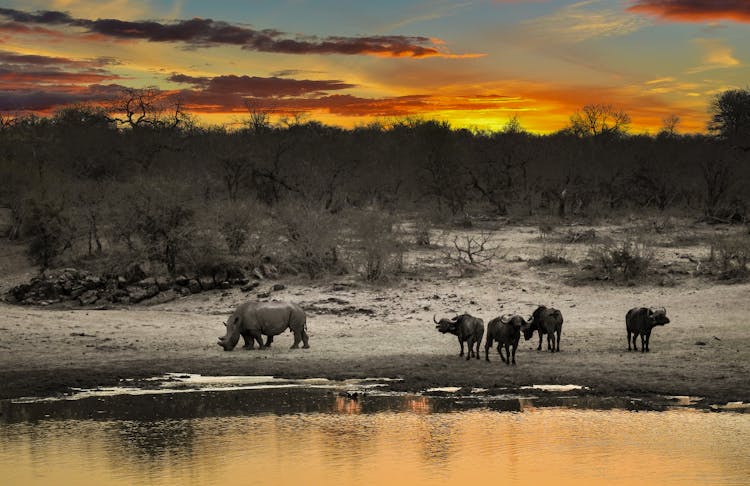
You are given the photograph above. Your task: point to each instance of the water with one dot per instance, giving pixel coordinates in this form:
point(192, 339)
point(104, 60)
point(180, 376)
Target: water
point(311, 436)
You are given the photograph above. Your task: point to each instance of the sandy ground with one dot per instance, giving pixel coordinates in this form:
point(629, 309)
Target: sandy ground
point(358, 330)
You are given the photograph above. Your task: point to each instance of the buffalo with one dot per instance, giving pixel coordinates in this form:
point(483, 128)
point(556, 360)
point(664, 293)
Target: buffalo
point(253, 320)
point(468, 328)
point(640, 321)
point(549, 321)
point(506, 330)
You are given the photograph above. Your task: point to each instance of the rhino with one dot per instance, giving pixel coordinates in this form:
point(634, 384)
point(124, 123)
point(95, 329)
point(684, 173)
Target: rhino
point(252, 320)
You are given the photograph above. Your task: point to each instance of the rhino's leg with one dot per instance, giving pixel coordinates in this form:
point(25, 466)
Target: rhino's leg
point(269, 340)
point(297, 339)
point(249, 342)
point(256, 335)
point(305, 339)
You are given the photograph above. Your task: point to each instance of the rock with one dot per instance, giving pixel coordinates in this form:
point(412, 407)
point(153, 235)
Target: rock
point(194, 286)
point(220, 276)
point(263, 295)
point(225, 285)
point(161, 298)
point(249, 287)
point(269, 270)
point(182, 280)
point(89, 297)
point(258, 273)
point(278, 286)
point(138, 293)
point(147, 282)
point(164, 283)
point(134, 273)
point(183, 291)
point(207, 283)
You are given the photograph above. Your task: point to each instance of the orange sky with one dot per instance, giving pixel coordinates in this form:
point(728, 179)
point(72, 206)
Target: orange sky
point(473, 63)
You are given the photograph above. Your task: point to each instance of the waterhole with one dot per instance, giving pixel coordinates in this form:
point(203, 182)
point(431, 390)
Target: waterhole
point(328, 433)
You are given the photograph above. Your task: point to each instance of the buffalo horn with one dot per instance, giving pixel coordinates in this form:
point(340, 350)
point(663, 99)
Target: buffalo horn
point(433, 318)
point(530, 319)
point(505, 318)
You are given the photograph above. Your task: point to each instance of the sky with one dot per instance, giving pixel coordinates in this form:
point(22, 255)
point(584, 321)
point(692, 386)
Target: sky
point(473, 63)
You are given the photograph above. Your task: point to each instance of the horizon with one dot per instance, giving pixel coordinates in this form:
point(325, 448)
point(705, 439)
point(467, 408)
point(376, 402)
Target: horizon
point(475, 65)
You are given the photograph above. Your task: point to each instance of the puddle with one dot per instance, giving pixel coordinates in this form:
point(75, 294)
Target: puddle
point(555, 388)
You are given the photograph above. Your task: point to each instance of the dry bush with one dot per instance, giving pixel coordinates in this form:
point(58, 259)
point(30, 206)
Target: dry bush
point(729, 258)
point(469, 252)
point(422, 229)
point(627, 260)
point(245, 227)
point(554, 251)
point(312, 239)
point(378, 253)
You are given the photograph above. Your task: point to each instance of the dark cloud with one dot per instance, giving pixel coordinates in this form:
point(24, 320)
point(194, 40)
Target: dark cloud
point(259, 86)
point(55, 97)
point(199, 32)
point(694, 10)
point(36, 60)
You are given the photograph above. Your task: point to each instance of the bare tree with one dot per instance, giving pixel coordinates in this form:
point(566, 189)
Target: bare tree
point(599, 119)
point(669, 125)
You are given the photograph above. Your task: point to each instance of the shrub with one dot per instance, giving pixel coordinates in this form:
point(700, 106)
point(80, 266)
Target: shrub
point(49, 230)
point(422, 232)
point(242, 224)
point(379, 251)
point(629, 259)
point(312, 238)
point(729, 257)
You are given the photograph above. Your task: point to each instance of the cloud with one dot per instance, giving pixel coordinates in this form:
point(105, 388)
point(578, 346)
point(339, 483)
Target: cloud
point(694, 10)
point(37, 60)
point(716, 55)
point(582, 21)
point(259, 86)
point(198, 32)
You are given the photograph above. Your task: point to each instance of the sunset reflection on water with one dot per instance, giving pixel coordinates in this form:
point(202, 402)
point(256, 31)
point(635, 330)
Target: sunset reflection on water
point(407, 445)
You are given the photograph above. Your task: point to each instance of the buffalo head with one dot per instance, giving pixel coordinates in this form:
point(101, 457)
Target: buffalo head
point(229, 340)
point(658, 317)
point(446, 325)
point(518, 322)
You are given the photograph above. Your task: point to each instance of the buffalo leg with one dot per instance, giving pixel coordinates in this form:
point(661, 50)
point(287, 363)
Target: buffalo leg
point(470, 344)
point(559, 332)
point(515, 346)
point(305, 339)
point(487, 346)
point(461, 343)
point(500, 350)
point(550, 342)
point(648, 338)
point(629, 341)
point(507, 354)
point(643, 343)
point(479, 341)
point(539, 348)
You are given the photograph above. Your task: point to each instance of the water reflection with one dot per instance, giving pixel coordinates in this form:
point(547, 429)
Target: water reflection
point(275, 437)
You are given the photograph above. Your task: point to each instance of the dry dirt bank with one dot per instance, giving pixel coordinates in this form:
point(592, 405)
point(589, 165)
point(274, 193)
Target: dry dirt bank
point(363, 331)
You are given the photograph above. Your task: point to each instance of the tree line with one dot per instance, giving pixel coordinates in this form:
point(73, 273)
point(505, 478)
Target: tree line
point(141, 176)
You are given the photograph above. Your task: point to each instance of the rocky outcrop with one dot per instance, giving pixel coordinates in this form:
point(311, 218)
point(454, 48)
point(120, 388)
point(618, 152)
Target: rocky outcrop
point(81, 288)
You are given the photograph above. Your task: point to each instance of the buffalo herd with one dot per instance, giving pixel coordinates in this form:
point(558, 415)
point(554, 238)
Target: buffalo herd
point(506, 330)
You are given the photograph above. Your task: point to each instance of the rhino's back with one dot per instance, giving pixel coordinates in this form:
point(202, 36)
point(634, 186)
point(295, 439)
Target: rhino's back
point(275, 317)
